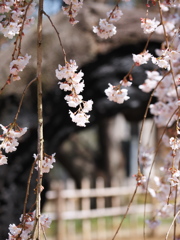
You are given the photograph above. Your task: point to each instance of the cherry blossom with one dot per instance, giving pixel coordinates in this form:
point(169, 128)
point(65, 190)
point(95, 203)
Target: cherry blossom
point(153, 77)
point(11, 23)
point(47, 163)
point(174, 143)
point(149, 25)
point(23, 231)
point(152, 223)
point(72, 9)
point(140, 179)
point(72, 81)
point(141, 58)
point(9, 138)
point(116, 95)
point(87, 106)
point(165, 211)
point(105, 29)
point(146, 156)
point(18, 65)
point(80, 118)
point(3, 159)
point(162, 62)
point(114, 15)
point(125, 83)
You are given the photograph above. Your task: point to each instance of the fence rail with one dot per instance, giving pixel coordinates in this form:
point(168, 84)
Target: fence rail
point(92, 213)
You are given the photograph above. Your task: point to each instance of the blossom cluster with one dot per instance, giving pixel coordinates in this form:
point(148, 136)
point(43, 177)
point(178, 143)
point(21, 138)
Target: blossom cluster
point(116, 94)
point(141, 58)
point(9, 140)
point(24, 230)
point(72, 9)
point(18, 65)
point(146, 155)
point(47, 162)
point(106, 29)
point(149, 25)
point(14, 16)
point(164, 81)
point(72, 81)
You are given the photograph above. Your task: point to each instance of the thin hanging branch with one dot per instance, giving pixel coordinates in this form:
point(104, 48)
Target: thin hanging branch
point(40, 144)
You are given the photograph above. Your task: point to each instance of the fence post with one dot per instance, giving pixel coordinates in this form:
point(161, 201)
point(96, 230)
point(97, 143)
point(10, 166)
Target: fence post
point(86, 223)
point(116, 202)
point(61, 225)
point(71, 206)
point(100, 202)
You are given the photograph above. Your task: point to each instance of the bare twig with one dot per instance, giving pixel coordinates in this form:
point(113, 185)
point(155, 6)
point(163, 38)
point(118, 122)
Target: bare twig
point(58, 34)
point(174, 219)
point(22, 98)
point(22, 28)
point(127, 210)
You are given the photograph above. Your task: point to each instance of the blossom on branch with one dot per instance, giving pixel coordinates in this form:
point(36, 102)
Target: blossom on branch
point(141, 58)
point(105, 29)
point(17, 16)
point(72, 81)
point(9, 138)
point(115, 94)
point(153, 77)
point(146, 156)
point(72, 9)
point(80, 118)
point(47, 162)
point(149, 25)
point(114, 15)
point(3, 159)
point(24, 230)
point(162, 62)
point(18, 65)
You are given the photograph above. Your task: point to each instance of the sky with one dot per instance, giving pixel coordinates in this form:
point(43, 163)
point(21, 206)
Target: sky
point(52, 6)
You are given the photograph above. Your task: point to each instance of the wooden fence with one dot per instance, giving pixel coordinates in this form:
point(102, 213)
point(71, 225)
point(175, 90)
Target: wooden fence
point(94, 213)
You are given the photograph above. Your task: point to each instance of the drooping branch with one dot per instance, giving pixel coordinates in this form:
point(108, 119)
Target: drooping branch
point(40, 146)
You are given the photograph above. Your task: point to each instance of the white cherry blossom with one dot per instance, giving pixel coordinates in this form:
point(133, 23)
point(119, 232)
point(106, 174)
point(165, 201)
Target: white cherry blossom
point(73, 100)
point(105, 29)
point(149, 25)
point(18, 65)
point(23, 231)
point(47, 163)
point(3, 159)
point(72, 9)
point(9, 138)
point(141, 58)
point(72, 81)
point(114, 15)
point(116, 95)
point(162, 62)
point(146, 156)
point(153, 77)
point(80, 118)
point(87, 106)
